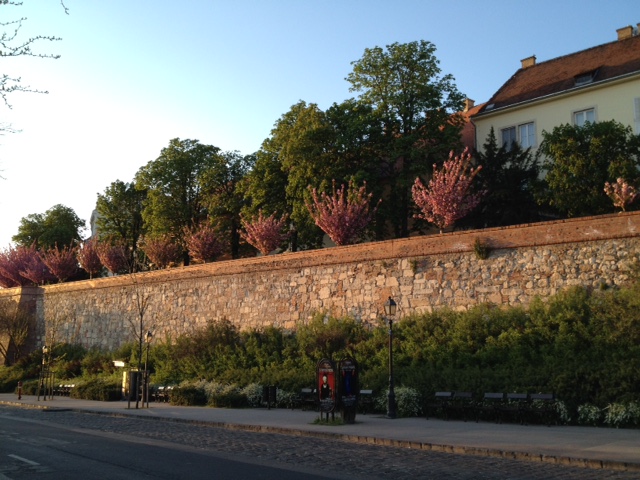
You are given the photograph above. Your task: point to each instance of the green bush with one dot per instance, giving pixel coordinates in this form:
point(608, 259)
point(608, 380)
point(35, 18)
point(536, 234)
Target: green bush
point(187, 394)
point(99, 389)
point(408, 402)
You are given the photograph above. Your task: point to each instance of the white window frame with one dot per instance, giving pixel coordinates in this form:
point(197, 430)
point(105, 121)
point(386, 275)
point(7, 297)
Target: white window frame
point(523, 133)
point(584, 112)
point(527, 135)
point(507, 142)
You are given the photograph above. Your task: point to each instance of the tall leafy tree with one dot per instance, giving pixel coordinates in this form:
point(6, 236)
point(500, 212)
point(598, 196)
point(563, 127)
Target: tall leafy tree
point(174, 184)
point(579, 160)
point(223, 195)
point(416, 106)
point(298, 146)
point(120, 213)
point(59, 226)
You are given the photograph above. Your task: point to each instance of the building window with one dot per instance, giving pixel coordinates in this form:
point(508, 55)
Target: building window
point(636, 114)
point(508, 137)
point(584, 116)
point(524, 135)
point(527, 135)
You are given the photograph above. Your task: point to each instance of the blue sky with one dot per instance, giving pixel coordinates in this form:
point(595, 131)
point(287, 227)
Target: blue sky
point(135, 74)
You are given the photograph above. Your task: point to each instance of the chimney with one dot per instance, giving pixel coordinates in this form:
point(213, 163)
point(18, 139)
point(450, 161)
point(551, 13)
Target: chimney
point(528, 62)
point(468, 104)
point(625, 32)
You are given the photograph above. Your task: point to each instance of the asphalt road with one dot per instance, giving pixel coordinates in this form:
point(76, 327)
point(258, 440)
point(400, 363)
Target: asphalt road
point(68, 444)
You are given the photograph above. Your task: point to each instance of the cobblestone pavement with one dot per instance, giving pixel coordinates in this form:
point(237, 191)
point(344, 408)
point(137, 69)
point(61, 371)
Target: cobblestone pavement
point(342, 459)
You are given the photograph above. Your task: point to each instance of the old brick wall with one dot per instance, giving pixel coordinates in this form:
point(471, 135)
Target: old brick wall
point(421, 273)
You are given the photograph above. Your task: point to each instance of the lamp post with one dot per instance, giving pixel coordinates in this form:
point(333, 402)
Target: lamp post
point(44, 373)
point(147, 339)
point(390, 310)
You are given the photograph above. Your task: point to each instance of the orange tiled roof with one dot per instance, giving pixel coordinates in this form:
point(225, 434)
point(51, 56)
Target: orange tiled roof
point(606, 62)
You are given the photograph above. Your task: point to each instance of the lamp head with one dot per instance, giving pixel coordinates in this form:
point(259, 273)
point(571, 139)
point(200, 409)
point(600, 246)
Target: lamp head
point(390, 307)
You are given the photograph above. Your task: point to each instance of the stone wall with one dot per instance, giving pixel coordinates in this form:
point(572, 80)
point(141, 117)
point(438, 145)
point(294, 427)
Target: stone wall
point(420, 273)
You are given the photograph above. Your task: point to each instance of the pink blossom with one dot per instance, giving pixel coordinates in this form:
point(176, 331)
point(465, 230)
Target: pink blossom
point(345, 214)
point(448, 197)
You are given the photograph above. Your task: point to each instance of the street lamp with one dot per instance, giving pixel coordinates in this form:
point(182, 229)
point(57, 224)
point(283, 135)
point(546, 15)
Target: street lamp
point(390, 310)
point(147, 339)
point(44, 374)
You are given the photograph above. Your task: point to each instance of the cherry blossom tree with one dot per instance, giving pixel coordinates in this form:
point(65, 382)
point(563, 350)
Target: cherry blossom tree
point(343, 215)
point(161, 250)
point(113, 256)
point(88, 257)
point(12, 261)
point(448, 196)
point(32, 267)
point(264, 233)
point(621, 193)
point(62, 263)
point(203, 243)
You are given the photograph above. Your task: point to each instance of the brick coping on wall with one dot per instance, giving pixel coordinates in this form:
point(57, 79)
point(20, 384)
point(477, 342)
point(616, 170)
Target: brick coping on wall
point(578, 230)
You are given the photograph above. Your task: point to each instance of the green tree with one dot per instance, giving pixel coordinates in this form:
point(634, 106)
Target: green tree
point(174, 184)
point(120, 213)
point(297, 144)
point(508, 178)
point(223, 195)
point(416, 107)
point(311, 147)
point(579, 160)
point(59, 226)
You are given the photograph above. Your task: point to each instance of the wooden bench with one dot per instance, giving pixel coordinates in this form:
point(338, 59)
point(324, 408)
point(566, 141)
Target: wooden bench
point(438, 405)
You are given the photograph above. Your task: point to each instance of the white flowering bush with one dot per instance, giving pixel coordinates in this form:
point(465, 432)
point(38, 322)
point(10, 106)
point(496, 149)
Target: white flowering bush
point(284, 399)
point(562, 412)
point(589, 414)
point(253, 393)
point(622, 414)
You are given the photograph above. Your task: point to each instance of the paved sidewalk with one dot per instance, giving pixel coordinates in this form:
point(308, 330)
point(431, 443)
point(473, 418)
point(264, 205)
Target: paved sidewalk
point(608, 448)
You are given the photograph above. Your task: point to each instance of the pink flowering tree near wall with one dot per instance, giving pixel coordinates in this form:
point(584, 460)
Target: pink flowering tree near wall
point(345, 214)
point(203, 243)
point(88, 257)
point(161, 250)
point(448, 197)
point(621, 193)
point(113, 256)
point(264, 233)
point(62, 262)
